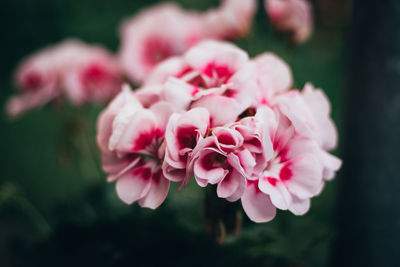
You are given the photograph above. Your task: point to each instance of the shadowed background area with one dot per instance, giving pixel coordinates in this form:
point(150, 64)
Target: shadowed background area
point(56, 208)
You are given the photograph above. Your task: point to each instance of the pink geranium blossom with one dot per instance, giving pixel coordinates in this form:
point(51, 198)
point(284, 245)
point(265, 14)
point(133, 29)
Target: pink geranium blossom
point(93, 76)
point(293, 175)
point(156, 34)
point(293, 16)
point(226, 120)
point(210, 75)
point(181, 137)
point(232, 19)
point(37, 80)
point(214, 74)
point(309, 112)
point(130, 138)
point(166, 30)
point(83, 73)
point(233, 154)
point(217, 160)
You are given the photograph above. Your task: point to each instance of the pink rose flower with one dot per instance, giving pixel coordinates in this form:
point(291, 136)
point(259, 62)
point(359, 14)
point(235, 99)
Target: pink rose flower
point(156, 34)
point(130, 138)
point(293, 16)
point(83, 73)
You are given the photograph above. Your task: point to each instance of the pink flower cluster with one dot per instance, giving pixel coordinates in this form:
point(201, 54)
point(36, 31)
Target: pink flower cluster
point(167, 30)
point(226, 120)
point(81, 72)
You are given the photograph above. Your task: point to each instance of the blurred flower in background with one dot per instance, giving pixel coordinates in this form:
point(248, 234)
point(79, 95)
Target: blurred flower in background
point(79, 72)
point(156, 34)
point(231, 20)
point(292, 16)
point(166, 30)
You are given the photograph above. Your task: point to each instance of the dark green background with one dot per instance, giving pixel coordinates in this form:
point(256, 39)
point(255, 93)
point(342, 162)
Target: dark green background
point(56, 208)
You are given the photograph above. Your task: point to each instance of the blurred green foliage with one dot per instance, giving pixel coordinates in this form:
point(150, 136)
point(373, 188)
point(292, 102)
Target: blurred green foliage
point(56, 208)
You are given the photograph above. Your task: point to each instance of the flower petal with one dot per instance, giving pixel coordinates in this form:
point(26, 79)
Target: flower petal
point(299, 206)
point(214, 103)
point(140, 134)
point(331, 165)
point(292, 105)
point(319, 105)
point(230, 184)
point(220, 54)
point(172, 173)
point(277, 191)
point(239, 191)
point(174, 66)
point(273, 75)
point(256, 204)
point(205, 169)
point(227, 139)
point(157, 192)
point(162, 110)
point(134, 185)
point(303, 176)
point(178, 93)
point(107, 117)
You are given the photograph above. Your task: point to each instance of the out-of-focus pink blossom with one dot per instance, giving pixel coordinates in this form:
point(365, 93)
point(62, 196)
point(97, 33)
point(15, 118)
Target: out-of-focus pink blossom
point(293, 16)
point(92, 76)
point(37, 80)
point(130, 138)
point(231, 20)
point(166, 30)
point(156, 34)
point(83, 73)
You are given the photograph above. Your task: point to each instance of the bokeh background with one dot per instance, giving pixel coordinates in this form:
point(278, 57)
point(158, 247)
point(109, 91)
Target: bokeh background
point(56, 208)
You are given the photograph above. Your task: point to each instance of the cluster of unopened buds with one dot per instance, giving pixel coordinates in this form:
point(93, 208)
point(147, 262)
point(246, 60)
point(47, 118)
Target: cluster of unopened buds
point(226, 120)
